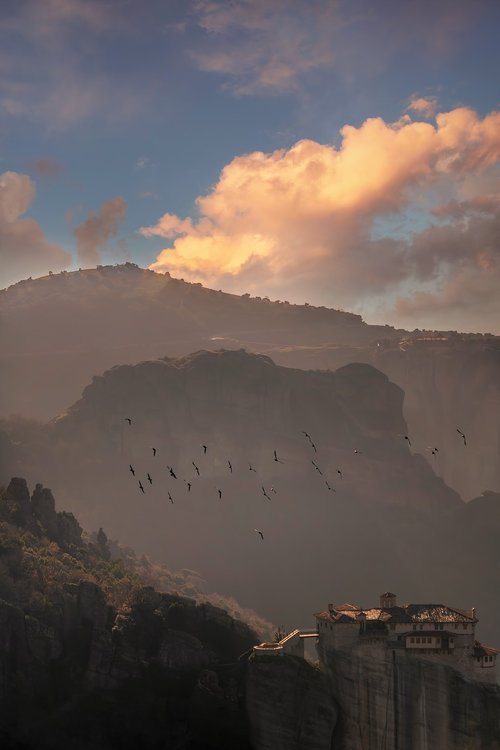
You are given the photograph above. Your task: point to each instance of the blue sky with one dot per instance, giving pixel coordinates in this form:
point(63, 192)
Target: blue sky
point(149, 101)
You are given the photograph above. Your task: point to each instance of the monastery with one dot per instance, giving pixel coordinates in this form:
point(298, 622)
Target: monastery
point(427, 631)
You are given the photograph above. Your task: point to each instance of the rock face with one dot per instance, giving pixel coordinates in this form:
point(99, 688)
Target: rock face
point(387, 699)
point(69, 327)
point(77, 671)
point(362, 483)
point(289, 705)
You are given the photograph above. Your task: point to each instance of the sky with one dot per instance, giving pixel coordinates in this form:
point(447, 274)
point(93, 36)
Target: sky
point(341, 153)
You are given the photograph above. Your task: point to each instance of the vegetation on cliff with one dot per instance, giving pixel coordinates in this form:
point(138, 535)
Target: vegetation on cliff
point(93, 656)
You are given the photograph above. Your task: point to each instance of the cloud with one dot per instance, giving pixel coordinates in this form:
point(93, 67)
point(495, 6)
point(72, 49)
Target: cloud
point(97, 229)
point(265, 47)
point(24, 249)
point(45, 63)
point(302, 222)
point(45, 167)
point(424, 105)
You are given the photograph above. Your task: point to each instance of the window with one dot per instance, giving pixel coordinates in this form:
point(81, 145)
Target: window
point(412, 640)
point(429, 640)
point(465, 626)
point(418, 640)
point(414, 627)
point(421, 627)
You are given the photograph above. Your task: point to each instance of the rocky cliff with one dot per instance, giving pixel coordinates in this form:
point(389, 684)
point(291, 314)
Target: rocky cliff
point(380, 499)
point(92, 658)
point(389, 700)
point(289, 704)
point(59, 331)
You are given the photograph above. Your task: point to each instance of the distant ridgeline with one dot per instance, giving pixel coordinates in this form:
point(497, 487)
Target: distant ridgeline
point(91, 657)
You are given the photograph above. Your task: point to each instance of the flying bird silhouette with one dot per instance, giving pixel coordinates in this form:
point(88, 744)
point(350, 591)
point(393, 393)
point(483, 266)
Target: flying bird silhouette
point(356, 451)
point(339, 473)
point(154, 451)
point(432, 450)
point(310, 440)
point(273, 489)
point(463, 436)
point(278, 460)
point(317, 467)
point(170, 498)
point(172, 472)
point(230, 466)
point(127, 419)
point(189, 485)
point(250, 468)
point(407, 439)
point(141, 487)
point(260, 534)
point(149, 478)
point(131, 469)
point(204, 448)
point(332, 489)
point(265, 493)
point(220, 493)
point(197, 469)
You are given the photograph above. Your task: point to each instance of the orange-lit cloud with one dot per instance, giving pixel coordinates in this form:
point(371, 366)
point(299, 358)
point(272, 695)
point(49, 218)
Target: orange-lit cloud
point(97, 229)
point(300, 222)
point(24, 249)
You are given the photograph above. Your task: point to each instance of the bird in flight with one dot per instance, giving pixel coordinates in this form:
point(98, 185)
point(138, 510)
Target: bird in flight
point(197, 469)
point(154, 451)
point(250, 468)
point(356, 451)
point(127, 419)
point(432, 450)
point(273, 489)
point(310, 440)
point(265, 493)
point(332, 489)
point(149, 478)
point(172, 472)
point(317, 467)
point(220, 493)
point(278, 460)
point(463, 436)
point(170, 498)
point(204, 448)
point(260, 534)
point(339, 473)
point(230, 466)
point(141, 487)
point(188, 485)
point(407, 440)
point(131, 469)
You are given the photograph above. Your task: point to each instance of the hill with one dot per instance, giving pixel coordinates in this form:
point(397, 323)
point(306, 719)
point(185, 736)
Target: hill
point(60, 330)
point(391, 523)
point(91, 656)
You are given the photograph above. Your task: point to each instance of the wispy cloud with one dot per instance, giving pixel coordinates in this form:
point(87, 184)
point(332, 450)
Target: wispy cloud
point(265, 47)
point(45, 167)
point(98, 228)
point(300, 222)
point(24, 249)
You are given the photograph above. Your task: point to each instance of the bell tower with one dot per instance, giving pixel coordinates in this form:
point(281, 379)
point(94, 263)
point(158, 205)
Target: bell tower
point(387, 600)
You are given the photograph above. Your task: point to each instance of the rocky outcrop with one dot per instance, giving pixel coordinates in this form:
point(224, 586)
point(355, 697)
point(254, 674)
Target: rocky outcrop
point(69, 327)
point(76, 671)
point(387, 699)
point(289, 705)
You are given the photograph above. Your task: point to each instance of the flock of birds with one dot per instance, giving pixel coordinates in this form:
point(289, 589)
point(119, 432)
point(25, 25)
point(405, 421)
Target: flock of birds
point(433, 450)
